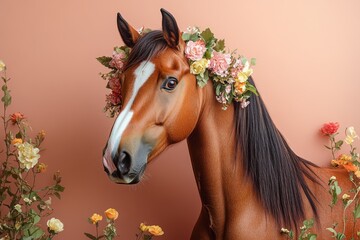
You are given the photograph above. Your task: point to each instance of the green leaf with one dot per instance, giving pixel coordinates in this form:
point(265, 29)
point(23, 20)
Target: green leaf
point(309, 223)
point(104, 60)
point(59, 188)
point(340, 236)
point(208, 53)
point(147, 237)
point(207, 35)
point(220, 45)
point(338, 144)
point(253, 61)
point(56, 194)
point(333, 231)
point(201, 81)
point(312, 236)
point(356, 211)
point(6, 99)
point(186, 36)
point(252, 89)
point(218, 88)
point(90, 236)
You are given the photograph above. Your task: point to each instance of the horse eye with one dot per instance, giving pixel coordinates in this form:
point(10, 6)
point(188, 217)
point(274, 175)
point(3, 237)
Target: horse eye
point(170, 84)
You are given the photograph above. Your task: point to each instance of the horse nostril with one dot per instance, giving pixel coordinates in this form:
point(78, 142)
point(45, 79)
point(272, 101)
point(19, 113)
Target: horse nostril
point(123, 162)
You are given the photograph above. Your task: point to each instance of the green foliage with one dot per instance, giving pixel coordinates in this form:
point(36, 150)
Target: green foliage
point(335, 191)
point(104, 60)
point(208, 36)
point(304, 233)
point(350, 198)
point(22, 203)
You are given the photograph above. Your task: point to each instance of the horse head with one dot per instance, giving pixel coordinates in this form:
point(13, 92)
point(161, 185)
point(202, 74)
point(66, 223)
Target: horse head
point(160, 100)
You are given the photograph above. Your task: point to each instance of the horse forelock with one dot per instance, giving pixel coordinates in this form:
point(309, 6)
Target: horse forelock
point(148, 46)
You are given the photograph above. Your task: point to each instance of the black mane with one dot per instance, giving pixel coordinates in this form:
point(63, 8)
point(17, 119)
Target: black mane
point(277, 172)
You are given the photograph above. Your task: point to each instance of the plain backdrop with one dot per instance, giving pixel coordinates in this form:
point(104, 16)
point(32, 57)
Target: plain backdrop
point(307, 71)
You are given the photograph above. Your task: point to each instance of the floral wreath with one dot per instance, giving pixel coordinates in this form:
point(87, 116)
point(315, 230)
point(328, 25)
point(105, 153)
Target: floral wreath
point(207, 59)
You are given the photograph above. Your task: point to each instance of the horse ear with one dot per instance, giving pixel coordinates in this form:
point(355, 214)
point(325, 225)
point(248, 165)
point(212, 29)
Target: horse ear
point(170, 29)
point(128, 34)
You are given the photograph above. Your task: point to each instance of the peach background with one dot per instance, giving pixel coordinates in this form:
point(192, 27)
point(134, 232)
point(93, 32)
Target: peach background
point(308, 72)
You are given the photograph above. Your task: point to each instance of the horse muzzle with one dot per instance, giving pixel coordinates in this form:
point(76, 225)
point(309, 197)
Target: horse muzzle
point(126, 167)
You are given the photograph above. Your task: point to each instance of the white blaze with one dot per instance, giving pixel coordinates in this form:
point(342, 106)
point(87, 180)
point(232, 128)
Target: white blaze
point(142, 74)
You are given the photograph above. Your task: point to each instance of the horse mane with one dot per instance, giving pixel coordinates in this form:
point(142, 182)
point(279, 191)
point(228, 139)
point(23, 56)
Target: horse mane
point(276, 171)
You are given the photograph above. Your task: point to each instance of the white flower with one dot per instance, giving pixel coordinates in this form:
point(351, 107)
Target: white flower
point(2, 66)
point(27, 200)
point(192, 30)
point(350, 135)
point(17, 207)
point(55, 225)
point(333, 178)
point(345, 196)
point(28, 155)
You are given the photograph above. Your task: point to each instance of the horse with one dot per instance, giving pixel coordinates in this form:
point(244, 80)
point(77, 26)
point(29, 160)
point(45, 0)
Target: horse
point(250, 182)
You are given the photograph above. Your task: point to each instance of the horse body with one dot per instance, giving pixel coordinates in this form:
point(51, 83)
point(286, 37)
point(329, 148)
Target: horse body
point(163, 106)
point(230, 207)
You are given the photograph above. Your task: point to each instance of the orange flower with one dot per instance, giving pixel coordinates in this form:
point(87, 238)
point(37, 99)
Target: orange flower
point(41, 168)
point(95, 218)
point(345, 161)
point(41, 135)
point(350, 167)
point(143, 227)
point(240, 87)
point(155, 230)
point(16, 141)
point(111, 214)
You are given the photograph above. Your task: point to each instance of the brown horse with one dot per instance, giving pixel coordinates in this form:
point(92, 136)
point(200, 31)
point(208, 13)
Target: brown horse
point(250, 182)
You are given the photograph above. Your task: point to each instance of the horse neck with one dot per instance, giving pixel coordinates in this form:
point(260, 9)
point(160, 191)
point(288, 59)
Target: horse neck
point(218, 170)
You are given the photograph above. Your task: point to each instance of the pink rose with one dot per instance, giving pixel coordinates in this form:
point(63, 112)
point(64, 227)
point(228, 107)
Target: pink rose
point(237, 67)
point(195, 50)
point(114, 84)
point(221, 98)
point(118, 60)
point(228, 89)
point(113, 98)
point(220, 63)
point(330, 128)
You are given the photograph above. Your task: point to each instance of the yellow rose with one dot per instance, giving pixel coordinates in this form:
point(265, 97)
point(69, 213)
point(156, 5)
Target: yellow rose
point(95, 218)
point(111, 214)
point(155, 230)
point(199, 66)
point(16, 141)
point(241, 77)
point(55, 225)
point(2, 66)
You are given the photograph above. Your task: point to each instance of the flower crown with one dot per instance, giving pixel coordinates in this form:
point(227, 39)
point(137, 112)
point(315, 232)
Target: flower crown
point(207, 59)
